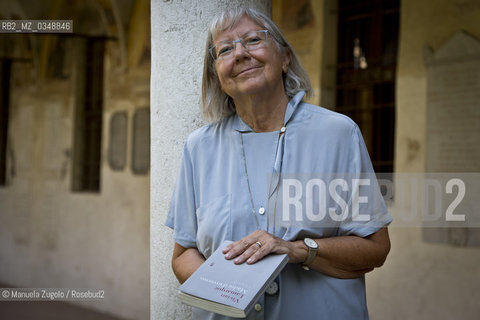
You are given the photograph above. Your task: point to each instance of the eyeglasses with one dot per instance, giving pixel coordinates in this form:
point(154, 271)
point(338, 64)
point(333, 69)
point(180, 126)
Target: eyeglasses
point(251, 41)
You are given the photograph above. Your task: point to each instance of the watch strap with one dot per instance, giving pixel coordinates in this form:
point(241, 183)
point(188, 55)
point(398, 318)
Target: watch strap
point(312, 252)
point(311, 255)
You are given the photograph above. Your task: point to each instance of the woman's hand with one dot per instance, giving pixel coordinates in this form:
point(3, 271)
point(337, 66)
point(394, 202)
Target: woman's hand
point(340, 257)
point(259, 244)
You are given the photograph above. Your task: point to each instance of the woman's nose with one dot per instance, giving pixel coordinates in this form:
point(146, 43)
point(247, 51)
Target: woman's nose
point(239, 50)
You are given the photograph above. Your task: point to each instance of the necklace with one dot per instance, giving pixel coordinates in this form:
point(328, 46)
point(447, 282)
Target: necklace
point(282, 131)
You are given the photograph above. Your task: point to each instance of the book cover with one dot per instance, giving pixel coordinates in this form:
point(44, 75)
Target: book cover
point(221, 286)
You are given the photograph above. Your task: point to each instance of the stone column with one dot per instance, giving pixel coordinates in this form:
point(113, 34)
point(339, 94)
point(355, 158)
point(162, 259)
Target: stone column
point(178, 41)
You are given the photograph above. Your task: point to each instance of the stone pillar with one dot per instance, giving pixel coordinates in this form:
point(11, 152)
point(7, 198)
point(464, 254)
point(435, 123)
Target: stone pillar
point(178, 41)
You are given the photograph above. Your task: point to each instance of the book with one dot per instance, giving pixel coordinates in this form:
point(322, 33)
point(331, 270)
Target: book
point(223, 287)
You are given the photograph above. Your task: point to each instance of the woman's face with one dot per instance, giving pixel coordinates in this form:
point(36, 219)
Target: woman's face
point(250, 72)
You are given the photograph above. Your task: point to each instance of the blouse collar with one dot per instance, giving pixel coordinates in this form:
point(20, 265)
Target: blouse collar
point(241, 126)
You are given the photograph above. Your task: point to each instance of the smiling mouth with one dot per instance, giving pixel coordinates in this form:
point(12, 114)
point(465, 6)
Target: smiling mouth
point(246, 70)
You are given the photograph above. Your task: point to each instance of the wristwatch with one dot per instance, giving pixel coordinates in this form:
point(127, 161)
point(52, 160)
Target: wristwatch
point(312, 247)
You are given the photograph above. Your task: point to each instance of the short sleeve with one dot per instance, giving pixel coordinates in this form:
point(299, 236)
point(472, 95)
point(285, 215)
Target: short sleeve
point(181, 215)
point(368, 210)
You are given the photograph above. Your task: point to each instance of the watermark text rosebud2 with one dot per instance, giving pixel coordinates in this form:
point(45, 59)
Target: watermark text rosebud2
point(413, 199)
point(317, 210)
point(50, 294)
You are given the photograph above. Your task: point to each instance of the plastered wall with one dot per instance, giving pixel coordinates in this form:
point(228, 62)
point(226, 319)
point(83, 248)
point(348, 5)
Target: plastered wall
point(421, 280)
point(51, 237)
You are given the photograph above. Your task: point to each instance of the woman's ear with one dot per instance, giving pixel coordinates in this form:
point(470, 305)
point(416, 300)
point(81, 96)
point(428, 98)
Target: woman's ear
point(286, 61)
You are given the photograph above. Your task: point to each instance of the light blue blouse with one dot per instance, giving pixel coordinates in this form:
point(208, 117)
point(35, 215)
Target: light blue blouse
point(211, 202)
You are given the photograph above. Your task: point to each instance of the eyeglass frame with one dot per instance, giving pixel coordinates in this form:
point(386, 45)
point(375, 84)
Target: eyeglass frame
point(234, 42)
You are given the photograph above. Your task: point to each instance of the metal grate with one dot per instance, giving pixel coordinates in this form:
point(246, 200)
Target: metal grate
point(366, 71)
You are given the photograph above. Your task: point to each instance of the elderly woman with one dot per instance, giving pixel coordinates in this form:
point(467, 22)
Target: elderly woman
point(232, 172)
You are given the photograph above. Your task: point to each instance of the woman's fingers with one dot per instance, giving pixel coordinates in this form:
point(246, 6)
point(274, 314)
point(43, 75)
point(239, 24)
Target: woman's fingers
point(252, 248)
point(272, 245)
point(246, 255)
point(258, 255)
point(239, 247)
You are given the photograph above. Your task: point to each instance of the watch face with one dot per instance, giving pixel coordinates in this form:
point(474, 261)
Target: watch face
point(310, 243)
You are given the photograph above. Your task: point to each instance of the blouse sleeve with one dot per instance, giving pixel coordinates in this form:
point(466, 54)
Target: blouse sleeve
point(368, 211)
point(181, 215)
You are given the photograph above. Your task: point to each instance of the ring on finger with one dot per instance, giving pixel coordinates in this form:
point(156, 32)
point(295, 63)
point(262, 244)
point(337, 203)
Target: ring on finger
point(259, 244)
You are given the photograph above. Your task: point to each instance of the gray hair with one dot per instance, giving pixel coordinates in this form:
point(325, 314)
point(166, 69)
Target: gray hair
point(216, 104)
